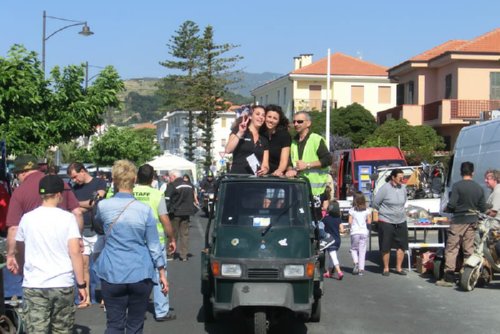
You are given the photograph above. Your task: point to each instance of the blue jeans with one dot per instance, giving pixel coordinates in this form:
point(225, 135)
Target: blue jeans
point(126, 306)
point(161, 302)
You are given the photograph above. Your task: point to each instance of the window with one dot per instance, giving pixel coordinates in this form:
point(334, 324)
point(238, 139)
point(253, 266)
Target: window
point(384, 94)
point(495, 86)
point(278, 97)
point(357, 94)
point(400, 94)
point(447, 86)
point(411, 92)
point(267, 102)
point(223, 122)
point(223, 142)
point(284, 96)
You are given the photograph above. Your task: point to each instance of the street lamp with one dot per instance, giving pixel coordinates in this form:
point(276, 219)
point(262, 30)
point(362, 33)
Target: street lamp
point(87, 79)
point(85, 31)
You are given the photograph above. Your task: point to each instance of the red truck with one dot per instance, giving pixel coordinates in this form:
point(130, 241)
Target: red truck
point(355, 166)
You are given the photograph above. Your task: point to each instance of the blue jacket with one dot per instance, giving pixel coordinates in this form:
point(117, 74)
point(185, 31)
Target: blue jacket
point(132, 248)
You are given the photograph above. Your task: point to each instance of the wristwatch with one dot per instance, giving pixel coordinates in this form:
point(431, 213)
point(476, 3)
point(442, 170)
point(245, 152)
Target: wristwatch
point(308, 165)
point(81, 286)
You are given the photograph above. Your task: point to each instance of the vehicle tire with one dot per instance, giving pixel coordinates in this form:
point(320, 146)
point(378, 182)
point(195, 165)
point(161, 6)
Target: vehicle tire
point(438, 270)
point(469, 277)
point(316, 311)
point(259, 322)
point(208, 309)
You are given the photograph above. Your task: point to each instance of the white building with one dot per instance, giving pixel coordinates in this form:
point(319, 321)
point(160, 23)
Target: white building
point(351, 80)
point(172, 132)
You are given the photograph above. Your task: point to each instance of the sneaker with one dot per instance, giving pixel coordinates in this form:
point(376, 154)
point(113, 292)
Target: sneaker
point(361, 273)
point(355, 270)
point(167, 317)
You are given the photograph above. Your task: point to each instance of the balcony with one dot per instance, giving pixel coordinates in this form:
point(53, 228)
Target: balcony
point(443, 112)
point(310, 105)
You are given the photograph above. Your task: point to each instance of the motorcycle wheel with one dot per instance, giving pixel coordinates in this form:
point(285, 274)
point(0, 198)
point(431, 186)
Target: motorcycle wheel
point(469, 277)
point(259, 322)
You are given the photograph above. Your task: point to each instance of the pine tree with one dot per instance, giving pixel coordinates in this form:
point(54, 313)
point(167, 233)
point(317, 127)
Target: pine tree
point(211, 84)
point(178, 89)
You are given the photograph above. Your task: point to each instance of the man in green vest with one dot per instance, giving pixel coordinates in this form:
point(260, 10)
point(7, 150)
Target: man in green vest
point(155, 199)
point(309, 155)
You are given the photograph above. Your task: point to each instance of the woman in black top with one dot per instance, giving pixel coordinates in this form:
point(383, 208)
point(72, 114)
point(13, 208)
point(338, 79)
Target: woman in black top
point(276, 130)
point(245, 141)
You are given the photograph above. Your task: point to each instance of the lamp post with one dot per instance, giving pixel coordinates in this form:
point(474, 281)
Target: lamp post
point(87, 79)
point(85, 31)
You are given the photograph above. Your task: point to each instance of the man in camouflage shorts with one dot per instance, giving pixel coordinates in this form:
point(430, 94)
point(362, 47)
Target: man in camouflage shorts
point(48, 250)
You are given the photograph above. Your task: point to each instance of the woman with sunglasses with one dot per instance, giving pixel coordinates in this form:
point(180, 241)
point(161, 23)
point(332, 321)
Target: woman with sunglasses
point(276, 130)
point(393, 232)
point(250, 149)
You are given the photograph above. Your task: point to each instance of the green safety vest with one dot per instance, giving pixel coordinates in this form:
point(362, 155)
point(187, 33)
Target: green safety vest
point(317, 177)
point(151, 197)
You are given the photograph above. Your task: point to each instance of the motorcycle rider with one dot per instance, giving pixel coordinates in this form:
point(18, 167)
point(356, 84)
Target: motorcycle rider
point(492, 180)
point(466, 195)
point(207, 185)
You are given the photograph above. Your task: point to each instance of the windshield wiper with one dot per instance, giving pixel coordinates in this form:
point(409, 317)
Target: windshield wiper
point(285, 210)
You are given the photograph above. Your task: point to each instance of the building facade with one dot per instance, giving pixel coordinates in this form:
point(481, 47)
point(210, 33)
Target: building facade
point(449, 85)
point(172, 132)
point(351, 80)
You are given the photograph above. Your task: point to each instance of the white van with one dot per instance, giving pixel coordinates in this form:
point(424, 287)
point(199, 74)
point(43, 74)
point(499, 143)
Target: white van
point(479, 144)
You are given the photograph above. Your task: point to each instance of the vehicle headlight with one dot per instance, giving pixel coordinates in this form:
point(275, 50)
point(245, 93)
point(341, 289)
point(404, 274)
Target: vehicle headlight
point(231, 270)
point(294, 270)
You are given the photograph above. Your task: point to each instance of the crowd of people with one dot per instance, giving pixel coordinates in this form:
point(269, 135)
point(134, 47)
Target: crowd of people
point(92, 241)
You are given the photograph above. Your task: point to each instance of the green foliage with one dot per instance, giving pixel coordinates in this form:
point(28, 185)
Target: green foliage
point(146, 106)
point(125, 143)
point(36, 113)
point(418, 142)
point(202, 82)
point(354, 122)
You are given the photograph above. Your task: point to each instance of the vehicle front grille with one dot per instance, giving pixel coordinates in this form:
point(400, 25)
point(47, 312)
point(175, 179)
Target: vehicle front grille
point(263, 273)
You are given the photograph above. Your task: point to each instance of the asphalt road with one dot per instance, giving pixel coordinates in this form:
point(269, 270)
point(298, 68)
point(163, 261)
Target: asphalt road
point(358, 304)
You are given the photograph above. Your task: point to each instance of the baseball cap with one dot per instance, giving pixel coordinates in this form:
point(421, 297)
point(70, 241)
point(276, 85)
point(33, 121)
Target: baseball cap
point(25, 162)
point(50, 184)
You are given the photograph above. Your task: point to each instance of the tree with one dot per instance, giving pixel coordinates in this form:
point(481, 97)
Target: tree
point(124, 143)
point(178, 90)
point(36, 113)
point(418, 142)
point(211, 85)
point(354, 122)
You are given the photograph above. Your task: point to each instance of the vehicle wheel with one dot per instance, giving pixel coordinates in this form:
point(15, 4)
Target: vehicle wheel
point(469, 278)
point(208, 310)
point(484, 278)
point(316, 311)
point(259, 322)
point(438, 268)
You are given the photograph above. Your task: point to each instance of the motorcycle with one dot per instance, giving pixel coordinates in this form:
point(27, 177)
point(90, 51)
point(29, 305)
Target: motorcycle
point(478, 269)
point(208, 199)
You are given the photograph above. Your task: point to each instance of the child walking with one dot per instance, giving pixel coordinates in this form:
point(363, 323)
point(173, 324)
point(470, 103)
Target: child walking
point(333, 226)
point(359, 217)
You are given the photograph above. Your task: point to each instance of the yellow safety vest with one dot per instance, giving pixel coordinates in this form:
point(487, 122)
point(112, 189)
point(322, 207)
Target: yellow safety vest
point(151, 197)
point(317, 177)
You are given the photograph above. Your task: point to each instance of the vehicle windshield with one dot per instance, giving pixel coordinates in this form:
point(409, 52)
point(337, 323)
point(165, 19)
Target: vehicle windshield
point(263, 204)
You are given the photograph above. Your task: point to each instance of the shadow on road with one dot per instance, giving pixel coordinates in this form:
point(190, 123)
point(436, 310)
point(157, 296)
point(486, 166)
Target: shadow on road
point(79, 329)
point(235, 323)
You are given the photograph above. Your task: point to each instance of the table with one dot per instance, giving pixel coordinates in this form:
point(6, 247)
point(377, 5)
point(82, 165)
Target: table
point(413, 228)
point(441, 228)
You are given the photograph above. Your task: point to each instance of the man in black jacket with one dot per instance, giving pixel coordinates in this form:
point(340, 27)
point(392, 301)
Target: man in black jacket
point(180, 196)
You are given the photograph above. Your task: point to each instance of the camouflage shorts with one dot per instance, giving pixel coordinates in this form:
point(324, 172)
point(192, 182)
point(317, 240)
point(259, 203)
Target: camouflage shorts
point(50, 310)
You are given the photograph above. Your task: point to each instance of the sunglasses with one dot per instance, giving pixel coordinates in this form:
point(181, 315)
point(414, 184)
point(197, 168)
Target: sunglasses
point(298, 121)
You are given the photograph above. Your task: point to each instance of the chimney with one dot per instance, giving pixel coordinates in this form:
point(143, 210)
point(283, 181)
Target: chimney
point(302, 60)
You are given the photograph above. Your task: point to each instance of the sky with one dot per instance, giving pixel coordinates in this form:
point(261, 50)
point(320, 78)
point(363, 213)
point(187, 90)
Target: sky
point(133, 35)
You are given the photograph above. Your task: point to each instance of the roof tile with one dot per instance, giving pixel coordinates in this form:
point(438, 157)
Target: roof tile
point(341, 64)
